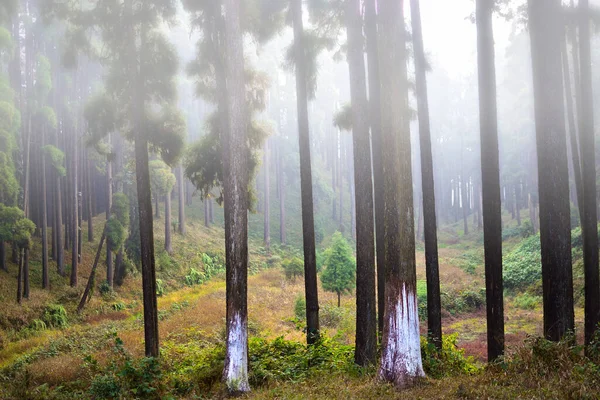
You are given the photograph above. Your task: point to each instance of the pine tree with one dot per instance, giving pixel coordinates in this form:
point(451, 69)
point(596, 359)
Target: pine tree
point(339, 275)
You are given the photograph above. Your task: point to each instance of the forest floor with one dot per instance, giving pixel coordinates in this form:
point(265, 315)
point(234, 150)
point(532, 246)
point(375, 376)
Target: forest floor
point(61, 362)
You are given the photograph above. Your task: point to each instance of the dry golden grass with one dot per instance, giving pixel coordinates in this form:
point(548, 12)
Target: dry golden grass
point(56, 370)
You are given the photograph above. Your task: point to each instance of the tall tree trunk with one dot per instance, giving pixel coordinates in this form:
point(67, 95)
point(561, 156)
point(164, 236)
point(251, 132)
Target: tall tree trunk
point(432, 269)
point(588, 158)
point(401, 350)
point(555, 231)
point(110, 272)
point(235, 163)
point(20, 277)
point(490, 178)
point(267, 202)
point(90, 284)
point(168, 244)
point(211, 212)
point(281, 191)
point(464, 203)
point(3, 264)
point(45, 274)
point(366, 314)
point(60, 251)
point(90, 195)
point(375, 119)
point(181, 198)
point(156, 206)
point(146, 222)
point(207, 212)
point(26, 272)
point(340, 179)
point(308, 223)
point(573, 143)
point(74, 210)
point(518, 202)
point(334, 173)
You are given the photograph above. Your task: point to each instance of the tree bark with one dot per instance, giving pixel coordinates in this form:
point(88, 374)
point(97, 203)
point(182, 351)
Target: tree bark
point(235, 166)
point(60, 251)
point(555, 230)
point(375, 119)
point(20, 278)
point(281, 190)
point(74, 211)
point(91, 280)
point(3, 264)
point(490, 177)
point(267, 195)
point(308, 223)
point(168, 244)
point(588, 158)
point(88, 203)
point(26, 272)
point(434, 305)
point(366, 314)
point(45, 274)
point(110, 272)
point(401, 349)
point(181, 198)
point(151, 338)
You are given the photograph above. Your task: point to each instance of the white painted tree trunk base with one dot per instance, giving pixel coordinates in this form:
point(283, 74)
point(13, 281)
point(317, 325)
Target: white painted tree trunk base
point(401, 361)
point(235, 373)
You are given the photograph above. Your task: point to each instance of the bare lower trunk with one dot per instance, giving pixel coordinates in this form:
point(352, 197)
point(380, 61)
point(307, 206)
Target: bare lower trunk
point(45, 274)
point(90, 284)
point(401, 351)
point(267, 194)
point(3, 264)
point(26, 272)
point(235, 163)
point(206, 212)
point(281, 190)
point(20, 278)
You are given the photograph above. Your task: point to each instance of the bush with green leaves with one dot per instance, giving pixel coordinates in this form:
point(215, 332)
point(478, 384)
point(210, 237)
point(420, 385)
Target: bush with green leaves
point(300, 308)
point(195, 277)
point(55, 316)
point(526, 301)
point(161, 287)
point(450, 361)
point(293, 268)
point(339, 275)
point(523, 265)
point(331, 316)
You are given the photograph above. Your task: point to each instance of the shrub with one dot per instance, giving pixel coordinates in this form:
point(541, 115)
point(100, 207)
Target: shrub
point(300, 308)
point(37, 325)
point(195, 277)
point(450, 361)
point(523, 265)
point(104, 288)
point(331, 316)
point(293, 268)
point(55, 316)
point(340, 272)
point(160, 287)
point(526, 301)
point(120, 306)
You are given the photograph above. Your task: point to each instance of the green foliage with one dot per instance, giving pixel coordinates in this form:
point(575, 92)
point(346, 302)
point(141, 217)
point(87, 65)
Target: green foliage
point(161, 287)
point(293, 268)
point(101, 115)
point(331, 316)
point(339, 275)
point(161, 177)
point(522, 266)
point(56, 158)
point(526, 301)
point(115, 233)
point(43, 82)
point(524, 231)
point(300, 308)
point(166, 134)
point(14, 226)
point(124, 376)
point(47, 117)
point(105, 288)
point(464, 301)
point(450, 361)
point(38, 325)
point(55, 316)
point(195, 277)
point(120, 208)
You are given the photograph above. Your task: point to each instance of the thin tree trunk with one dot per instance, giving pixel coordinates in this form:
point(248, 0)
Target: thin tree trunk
point(211, 213)
point(90, 211)
point(490, 177)
point(206, 212)
point(26, 272)
point(74, 213)
point(555, 230)
point(366, 314)
point(3, 264)
point(434, 306)
point(267, 201)
point(109, 197)
point(375, 118)
point(401, 350)
point(518, 203)
point(235, 163)
point(92, 278)
point(181, 198)
point(588, 158)
point(281, 190)
point(308, 223)
point(60, 251)
point(168, 244)
point(20, 278)
point(45, 272)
